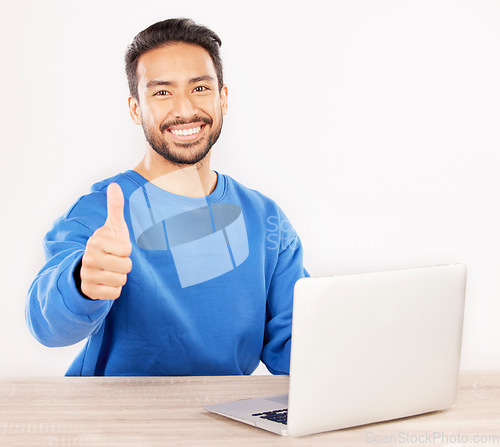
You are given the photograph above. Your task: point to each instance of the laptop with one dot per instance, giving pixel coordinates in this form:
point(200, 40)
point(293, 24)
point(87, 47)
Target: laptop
point(366, 348)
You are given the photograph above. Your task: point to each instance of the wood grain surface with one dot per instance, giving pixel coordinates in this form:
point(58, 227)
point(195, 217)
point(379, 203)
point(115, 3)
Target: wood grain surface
point(167, 411)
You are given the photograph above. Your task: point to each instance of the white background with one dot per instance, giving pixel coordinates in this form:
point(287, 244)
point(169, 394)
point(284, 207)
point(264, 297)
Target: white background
point(374, 124)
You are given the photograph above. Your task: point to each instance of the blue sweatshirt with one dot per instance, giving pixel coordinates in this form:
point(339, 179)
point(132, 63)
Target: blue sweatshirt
point(210, 291)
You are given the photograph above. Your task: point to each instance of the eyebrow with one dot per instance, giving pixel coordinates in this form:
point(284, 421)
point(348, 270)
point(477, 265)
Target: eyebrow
point(157, 82)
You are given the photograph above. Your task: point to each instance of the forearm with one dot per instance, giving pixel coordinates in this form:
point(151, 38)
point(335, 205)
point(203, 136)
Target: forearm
point(57, 314)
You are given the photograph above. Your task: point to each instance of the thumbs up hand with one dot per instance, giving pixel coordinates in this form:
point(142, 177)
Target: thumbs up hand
point(106, 261)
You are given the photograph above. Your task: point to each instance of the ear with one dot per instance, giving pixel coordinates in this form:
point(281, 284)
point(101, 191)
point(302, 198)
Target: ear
point(135, 110)
point(223, 99)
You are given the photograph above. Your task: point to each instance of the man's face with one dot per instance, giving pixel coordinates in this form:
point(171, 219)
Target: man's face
point(180, 106)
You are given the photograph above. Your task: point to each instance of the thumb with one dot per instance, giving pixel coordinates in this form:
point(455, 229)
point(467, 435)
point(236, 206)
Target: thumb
point(116, 219)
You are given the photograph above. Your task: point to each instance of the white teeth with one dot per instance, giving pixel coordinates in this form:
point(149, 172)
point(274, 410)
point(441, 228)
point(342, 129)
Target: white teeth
point(186, 131)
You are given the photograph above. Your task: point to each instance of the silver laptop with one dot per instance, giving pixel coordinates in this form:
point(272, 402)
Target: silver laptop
point(366, 348)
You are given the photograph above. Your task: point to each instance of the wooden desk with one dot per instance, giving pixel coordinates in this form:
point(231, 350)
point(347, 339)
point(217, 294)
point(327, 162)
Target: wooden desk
point(167, 411)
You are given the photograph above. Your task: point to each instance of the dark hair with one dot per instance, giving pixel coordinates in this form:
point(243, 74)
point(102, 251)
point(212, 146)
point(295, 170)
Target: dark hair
point(171, 31)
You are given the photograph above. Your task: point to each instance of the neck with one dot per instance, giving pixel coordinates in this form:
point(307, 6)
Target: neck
point(196, 180)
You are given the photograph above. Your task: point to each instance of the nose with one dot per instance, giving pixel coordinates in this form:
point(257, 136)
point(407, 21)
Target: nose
point(183, 106)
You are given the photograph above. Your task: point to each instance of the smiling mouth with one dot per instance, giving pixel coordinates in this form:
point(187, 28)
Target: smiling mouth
point(186, 132)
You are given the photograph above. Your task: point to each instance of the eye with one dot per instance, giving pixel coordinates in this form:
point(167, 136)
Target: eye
point(161, 93)
point(200, 88)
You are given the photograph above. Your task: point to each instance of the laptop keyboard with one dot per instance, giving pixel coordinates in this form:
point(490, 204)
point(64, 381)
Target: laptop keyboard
point(279, 416)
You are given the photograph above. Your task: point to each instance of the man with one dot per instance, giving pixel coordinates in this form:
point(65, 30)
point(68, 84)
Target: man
point(171, 268)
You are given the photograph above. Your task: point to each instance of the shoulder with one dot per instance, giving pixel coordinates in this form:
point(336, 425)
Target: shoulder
point(249, 196)
point(90, 209)
point(258, 207)
point(129, 181)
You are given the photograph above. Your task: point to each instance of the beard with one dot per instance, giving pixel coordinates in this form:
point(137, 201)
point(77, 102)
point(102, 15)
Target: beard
point(188, 153)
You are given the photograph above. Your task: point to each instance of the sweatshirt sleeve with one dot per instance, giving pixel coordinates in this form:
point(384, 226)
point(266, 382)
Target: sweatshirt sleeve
point(56, 312)
point(289, 268)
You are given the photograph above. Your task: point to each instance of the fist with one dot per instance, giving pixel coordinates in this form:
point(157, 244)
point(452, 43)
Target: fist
point(106, 261)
